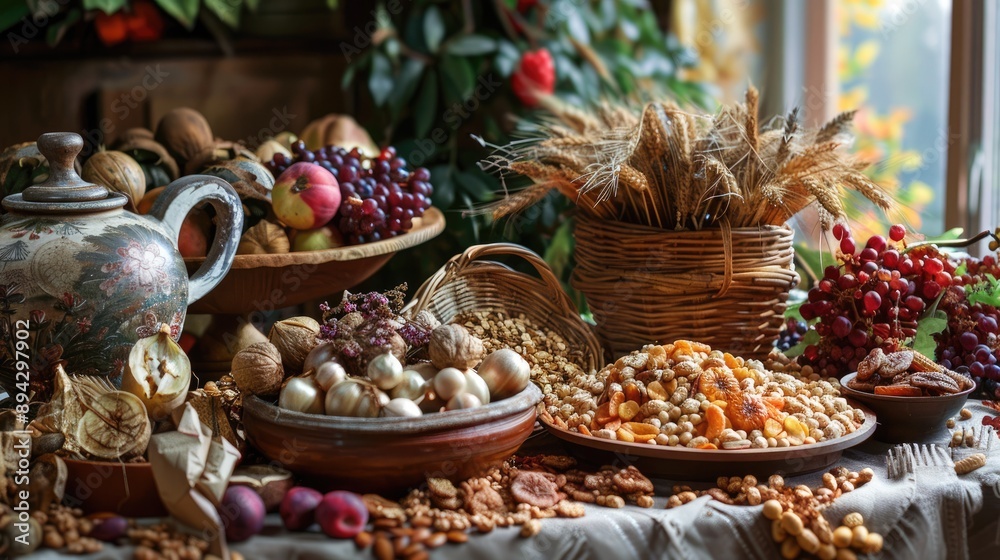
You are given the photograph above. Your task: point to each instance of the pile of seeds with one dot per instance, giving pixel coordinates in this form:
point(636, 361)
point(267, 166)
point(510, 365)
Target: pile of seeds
point(797, 522)
point(555, 367)
point(521, 492)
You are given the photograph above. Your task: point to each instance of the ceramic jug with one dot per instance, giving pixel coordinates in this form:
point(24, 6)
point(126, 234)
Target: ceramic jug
point(81, 279)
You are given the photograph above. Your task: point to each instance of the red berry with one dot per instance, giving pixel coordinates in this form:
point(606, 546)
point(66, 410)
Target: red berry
point(872, 302)
point(876, 242)
point(535, 76)
point(847, 246)
point(839, 231)
point(897, 232)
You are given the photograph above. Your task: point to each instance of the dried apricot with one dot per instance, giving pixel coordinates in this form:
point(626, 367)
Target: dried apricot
point(778, 403)
point(625, 435)
point(742, 373)
point(719, 384)
point(617, 398)
point(656, 391)
point(584, 430)
point(641, 431)
point(732, 362)
point(632, 392)
point(871, 364)
point(707, 446)
point(605, 413)
point(747, 413)
point(715, 417)
point(898, 390)
point(613, 424)
point(628, 410)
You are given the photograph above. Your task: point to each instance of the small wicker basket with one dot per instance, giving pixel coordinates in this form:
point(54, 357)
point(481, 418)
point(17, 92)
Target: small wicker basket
point(467, 284)
point(724, 287)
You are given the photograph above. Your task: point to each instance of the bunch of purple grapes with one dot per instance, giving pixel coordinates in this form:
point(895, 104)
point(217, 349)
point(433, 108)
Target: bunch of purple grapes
point(380, 197)
point(792, 334)
point(972, 340)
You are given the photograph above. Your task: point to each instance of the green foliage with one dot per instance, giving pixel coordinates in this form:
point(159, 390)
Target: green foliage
point(437, 74)
point(931, 324)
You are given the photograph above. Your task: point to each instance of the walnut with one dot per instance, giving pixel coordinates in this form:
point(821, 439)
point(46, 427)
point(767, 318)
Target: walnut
point(453, 346)
point(264, 238)
point(294, 338)
point(257, 369)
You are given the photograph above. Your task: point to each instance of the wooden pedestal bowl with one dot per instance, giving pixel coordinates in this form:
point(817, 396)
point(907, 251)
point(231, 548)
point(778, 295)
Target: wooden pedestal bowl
point(390, 455)
point(267, 282)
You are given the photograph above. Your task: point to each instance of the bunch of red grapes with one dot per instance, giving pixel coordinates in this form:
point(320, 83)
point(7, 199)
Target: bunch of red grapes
point(380, 196)
point(873, 299)
point(971, 343)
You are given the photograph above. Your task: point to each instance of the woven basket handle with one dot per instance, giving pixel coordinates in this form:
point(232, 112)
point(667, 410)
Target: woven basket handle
point(423, 296)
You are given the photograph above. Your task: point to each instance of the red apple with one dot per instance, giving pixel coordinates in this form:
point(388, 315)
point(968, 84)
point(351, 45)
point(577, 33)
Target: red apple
point(342, 514)
point(305, 196)
point(317, 239)
point(298, 508)
point(192, 241)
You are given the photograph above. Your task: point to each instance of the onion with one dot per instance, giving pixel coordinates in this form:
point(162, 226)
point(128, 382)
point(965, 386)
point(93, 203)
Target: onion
point(476, 386)
point(401, 408)
point(318, 356)
point(159, 373)
point(505, 372)
point(462, 401)
point(448, 383)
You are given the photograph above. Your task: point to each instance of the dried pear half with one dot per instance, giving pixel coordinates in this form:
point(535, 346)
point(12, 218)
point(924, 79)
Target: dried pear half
point(159, 373)
point(114, 426)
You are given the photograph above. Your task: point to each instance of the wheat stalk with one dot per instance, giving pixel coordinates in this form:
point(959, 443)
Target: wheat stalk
point(671, 168)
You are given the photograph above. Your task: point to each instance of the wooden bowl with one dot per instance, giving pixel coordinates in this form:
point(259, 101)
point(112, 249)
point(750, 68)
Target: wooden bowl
point(390, 455)
point(127, 489)
point(909, 419)
point(267, 282)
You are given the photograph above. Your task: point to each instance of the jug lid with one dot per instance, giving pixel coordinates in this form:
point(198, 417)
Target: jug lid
point(63, 192)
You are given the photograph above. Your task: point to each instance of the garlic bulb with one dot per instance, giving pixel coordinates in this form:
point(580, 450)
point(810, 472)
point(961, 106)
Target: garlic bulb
point(505, 372)
point(462, 401)
point(302, 394)
point(411, 387)
point(319, 355)
point(476, 386)
point(425, 369)
point(355, 397)
point(448, 383)
point(385, 371)
point(329, 374)
point(159, 373)
point(401, 408)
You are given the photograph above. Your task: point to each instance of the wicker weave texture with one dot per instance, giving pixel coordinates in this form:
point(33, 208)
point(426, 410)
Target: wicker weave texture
point(724, 287)
point(467, 283)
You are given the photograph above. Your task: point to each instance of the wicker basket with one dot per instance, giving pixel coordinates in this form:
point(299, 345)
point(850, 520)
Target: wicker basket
point(725, 287)
point(466, 284)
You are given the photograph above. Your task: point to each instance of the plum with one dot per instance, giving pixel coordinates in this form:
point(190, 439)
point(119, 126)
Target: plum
point(342, 514)
point(298, 509)
point(242, 513)
point(108, 527)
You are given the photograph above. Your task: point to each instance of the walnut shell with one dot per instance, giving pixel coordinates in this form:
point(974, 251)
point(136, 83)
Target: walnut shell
point(119, 173)
point(264, 238)
point(294, 338)
point(257, 369)
point(453, 346)
point(185, 133)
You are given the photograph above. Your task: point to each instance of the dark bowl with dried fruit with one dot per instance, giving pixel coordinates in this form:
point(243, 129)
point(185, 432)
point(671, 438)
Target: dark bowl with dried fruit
point(904, 419)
